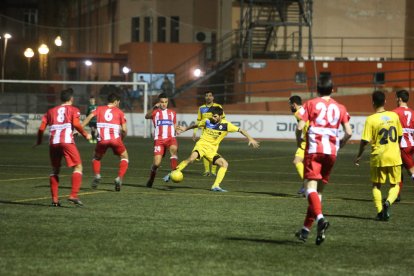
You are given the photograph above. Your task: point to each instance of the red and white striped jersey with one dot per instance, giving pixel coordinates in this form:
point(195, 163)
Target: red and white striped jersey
point(109, 120)
point(164, 123)
point(406, 116)
point(325, 116)
point(60, 119)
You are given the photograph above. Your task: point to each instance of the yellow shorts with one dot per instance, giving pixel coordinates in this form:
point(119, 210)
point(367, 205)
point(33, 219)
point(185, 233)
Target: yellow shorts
point(207, 151)
point(300, 152)
point(380, 174)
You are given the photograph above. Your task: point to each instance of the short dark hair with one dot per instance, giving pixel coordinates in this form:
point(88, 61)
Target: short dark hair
point(216, 110)
point(295, 99)
point(378, 98)
point(208, 91)
point(112, 97)
point(162, 95)
point(403, 95)
point(66, 94)
point(325, 86)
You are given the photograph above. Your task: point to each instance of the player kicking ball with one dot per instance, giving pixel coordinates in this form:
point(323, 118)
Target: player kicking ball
point(214, 131)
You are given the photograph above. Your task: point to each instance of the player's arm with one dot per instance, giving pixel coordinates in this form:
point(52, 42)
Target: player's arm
point(124, 131)
point(88, 119)
point(40, 132)
point(347, 135)
point(362, 146)
point(195, 131)
point(149, 113)
point(181, 129)
point(77, 125)
point(298, 132)
point(252, 141)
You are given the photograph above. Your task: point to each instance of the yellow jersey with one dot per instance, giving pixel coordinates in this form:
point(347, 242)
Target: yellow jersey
point(304, 130)
point(383, 130)
point(204, 114)
point(213, 134)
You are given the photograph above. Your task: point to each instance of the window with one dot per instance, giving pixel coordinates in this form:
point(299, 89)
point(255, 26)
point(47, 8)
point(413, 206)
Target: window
point(147, 29)
point(30, 17)
point(161, 29)
point(379, 78)
point(175, 28)
point(135, 29)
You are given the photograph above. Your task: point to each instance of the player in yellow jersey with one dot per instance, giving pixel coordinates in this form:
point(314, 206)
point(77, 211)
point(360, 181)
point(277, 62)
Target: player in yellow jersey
point(383, 130)
point(295, 103)
point(214, 131)
point(203, 113)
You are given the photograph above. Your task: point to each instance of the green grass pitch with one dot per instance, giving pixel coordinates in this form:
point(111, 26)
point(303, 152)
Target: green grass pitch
point(184, 229)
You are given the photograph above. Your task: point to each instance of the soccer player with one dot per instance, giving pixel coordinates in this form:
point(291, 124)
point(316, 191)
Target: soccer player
point(203, 113)
point(92, 124)
point(383, 130)
point(62, 119)
point(112, 129)
point(406, 116)
point(295, 103)
point(325, 116)
point(165, 122)
point(214, 131)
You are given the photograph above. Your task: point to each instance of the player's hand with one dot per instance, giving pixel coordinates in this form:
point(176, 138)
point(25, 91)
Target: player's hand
point(157, 105)
point(88, 137)
point(180, 129)
point(254, 143)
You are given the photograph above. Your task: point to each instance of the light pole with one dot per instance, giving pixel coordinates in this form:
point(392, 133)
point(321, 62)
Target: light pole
point(28, 53)
point(6, 37)
point(43, 51)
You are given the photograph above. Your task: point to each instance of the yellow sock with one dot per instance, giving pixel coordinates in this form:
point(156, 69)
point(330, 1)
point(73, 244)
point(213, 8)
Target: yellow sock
point(377, 197)
point(206, 163)
point(300, 168)
point(182, 165)
point(393, 193)
point(214, 169)
point(220, 175)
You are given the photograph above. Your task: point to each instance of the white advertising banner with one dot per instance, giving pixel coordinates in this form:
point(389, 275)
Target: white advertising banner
point(258, 126)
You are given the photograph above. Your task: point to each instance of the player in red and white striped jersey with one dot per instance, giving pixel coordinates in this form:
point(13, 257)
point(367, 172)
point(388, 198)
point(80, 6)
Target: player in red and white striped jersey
point(112, 128)
point(325, 116)
point(164, 121)
point(406, 116)
point(62, 119)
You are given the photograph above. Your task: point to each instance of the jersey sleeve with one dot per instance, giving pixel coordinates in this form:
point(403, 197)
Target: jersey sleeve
point(302, 113)
point(202, 123)
point(367, 133)
point(199, 114)
point(232, 128)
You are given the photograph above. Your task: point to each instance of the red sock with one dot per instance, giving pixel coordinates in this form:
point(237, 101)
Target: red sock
point(96, 166)
point(54, 187)
point(401, 185)
point(153, 172)
point(173, 162)
point(76, 184)
point(123, 166)
point(315, 203)
point(309, 219)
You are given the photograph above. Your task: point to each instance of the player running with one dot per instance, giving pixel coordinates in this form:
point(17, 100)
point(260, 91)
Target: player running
point(383, 130)
point(325, 116)
point(203, 113)
point(62, 119)
point(165, 122)
point(112, 129)
point(214, 131)
point(406, 116)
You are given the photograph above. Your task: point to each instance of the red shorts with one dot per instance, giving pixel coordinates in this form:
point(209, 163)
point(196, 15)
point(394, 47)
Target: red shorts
point(161, 145)
point(69, 151)
point(116, 145)
point(318, 166)
point(407, 157)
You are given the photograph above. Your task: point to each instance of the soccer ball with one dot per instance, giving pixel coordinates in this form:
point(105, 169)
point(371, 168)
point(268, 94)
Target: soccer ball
point(177, 176)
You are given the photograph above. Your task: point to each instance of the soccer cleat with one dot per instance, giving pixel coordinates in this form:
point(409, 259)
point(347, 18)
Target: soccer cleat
point(386, 210)
point(206, 173)
point(323, 225)
point(95, 182)
point(76, 201)
point(380, 216)
point(166, 178)
point(150, 183)
point(302, 235)
point(218, 189)
point(55, 204)
point(118, 183)
point(301, 191)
